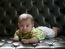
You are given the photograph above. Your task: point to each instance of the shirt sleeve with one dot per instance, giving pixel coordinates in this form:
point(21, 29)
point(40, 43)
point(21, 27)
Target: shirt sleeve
point(16, 36)
point(39, 34)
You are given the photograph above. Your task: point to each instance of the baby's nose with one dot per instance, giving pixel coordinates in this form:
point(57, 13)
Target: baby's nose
point(24, 28)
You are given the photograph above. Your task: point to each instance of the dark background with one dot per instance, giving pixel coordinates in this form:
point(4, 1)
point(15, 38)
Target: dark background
point(45, 13)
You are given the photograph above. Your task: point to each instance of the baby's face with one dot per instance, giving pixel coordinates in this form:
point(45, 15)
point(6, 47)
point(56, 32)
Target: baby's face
point(25, 25)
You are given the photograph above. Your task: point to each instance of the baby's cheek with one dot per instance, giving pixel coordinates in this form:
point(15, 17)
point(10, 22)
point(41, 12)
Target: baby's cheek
point(29, 29)
point(20, 29)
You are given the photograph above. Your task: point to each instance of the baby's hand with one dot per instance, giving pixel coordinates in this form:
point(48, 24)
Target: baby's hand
point(25, 41)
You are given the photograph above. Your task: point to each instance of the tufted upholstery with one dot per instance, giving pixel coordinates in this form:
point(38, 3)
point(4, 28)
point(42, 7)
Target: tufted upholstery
point(45, 12)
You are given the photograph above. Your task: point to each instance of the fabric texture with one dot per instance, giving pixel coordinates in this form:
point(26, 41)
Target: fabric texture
point(48, 31)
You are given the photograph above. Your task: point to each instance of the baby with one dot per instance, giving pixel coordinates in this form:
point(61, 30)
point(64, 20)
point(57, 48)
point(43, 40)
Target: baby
point(27, 33)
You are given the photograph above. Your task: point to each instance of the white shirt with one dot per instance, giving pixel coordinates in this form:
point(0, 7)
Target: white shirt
point(48, 31)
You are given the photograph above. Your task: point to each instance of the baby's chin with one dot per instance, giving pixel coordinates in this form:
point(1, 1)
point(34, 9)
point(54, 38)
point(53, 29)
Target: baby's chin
point(25, 32)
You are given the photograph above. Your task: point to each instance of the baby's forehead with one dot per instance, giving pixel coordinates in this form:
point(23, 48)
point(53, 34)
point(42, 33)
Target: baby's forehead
point(25, 16)
point(23, 22)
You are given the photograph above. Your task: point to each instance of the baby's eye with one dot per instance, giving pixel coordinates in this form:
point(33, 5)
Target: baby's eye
point(21, 25)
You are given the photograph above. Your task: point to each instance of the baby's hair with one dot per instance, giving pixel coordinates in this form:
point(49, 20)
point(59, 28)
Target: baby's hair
point(25, 16)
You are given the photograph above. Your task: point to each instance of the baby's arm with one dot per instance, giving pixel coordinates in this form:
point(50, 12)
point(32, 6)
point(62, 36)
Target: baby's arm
point(35, 39)
point(39, 35)
point(16, 38)
point(32, 40)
